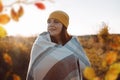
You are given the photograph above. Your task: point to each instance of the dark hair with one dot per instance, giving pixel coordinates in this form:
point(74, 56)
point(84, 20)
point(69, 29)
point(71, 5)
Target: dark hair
point(65, 37)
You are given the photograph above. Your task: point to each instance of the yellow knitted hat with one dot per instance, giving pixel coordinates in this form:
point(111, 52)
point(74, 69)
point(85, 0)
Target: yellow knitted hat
point(61, 16)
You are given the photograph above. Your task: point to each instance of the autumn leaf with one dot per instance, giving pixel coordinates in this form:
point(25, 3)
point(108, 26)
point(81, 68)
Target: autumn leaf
point(111, 77)
point(3, 32)
point(7, 58)
point(1, 6)
point(113, 72)
point(16, 77)
point(14, 15)
point(40, 5)
point(115, 66)
point(111, 57)
point(89, 73)
point(20, 11)
point(96, 78)
point(4, 18)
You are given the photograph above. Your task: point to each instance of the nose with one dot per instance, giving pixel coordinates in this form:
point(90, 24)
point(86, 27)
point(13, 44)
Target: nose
point(51, 24)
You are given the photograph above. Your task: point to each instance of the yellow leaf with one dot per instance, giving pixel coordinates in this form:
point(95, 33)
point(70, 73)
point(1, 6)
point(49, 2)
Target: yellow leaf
point(14, 15)
point(111, 76)
point(7, 58)
point(113, 72)
point(89, 73)
point(3, 32)
point(4, 18)
point(20, 11)
point(96, 78)
point(115, 66)
point(16, 77)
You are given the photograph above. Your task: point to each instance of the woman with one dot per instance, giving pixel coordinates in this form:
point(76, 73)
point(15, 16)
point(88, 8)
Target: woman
point(55, 54)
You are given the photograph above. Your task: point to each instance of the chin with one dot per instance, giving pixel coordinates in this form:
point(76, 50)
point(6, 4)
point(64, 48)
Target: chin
point(53, 34)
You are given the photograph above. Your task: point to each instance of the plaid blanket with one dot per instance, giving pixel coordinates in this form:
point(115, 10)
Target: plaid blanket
point(50, 61)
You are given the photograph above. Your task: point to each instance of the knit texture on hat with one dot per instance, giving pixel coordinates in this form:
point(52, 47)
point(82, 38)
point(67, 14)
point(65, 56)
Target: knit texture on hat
point(61, 16)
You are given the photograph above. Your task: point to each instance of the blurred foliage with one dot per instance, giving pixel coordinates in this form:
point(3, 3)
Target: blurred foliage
point(103, 51)
point(16, 14)
point(105, 59)
point(101, 59)
point(14, 57)
point(3, 32)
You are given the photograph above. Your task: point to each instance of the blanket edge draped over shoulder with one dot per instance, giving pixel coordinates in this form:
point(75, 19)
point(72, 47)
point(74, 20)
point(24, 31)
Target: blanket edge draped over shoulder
point(45, 55)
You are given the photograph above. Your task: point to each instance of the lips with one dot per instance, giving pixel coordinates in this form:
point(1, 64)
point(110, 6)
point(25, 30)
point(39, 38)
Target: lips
point(52, 29)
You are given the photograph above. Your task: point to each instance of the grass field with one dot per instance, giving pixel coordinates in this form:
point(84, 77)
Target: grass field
point(102, 51)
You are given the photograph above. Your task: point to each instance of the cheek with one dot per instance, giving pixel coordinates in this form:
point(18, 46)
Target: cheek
point(59, 29)
point(55, 32)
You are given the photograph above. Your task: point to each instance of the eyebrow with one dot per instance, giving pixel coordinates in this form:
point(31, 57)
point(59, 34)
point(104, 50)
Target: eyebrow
point(53, 19)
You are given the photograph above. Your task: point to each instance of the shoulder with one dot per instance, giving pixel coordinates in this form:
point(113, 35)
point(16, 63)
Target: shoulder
point(76, 39)
point(43, 33)
point(44, 36)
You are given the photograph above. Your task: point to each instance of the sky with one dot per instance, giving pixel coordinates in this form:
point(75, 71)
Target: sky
point(86, 17)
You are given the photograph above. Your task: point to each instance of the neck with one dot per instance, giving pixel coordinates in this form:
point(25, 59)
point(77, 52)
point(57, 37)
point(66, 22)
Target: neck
point(57, 39)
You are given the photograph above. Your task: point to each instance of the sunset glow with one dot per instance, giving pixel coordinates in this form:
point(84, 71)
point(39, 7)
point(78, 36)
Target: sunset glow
point(86, 17)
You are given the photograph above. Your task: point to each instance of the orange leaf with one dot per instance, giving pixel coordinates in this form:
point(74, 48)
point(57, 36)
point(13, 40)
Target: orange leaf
point(1, 6)
point(111, 57)
point(7, 58)
point(89, 73)
point(4, 18)
point(16, 77)
point(14, 15)
point(20, 11)
point(40, 5)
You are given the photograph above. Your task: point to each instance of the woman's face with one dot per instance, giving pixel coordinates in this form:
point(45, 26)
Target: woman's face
point(54, 27)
